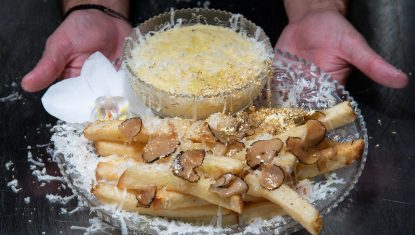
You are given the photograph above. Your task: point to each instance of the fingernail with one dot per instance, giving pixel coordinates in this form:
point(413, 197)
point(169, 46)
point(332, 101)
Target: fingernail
point(402, 77)
point(26, 81)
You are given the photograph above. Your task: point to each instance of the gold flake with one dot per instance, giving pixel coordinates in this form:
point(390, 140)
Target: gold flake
point(277, 120)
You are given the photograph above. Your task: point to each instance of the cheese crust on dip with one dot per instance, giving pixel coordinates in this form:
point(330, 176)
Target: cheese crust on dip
point(199, 60)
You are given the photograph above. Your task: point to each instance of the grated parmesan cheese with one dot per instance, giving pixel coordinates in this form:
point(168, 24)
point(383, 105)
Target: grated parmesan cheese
point(8, 165)
point(314, 192)
point(26, 200)
point(59, 199)
point(12, 97)
point(14, 185)
point(199, 59)
point(96, 226)
point(37, 162)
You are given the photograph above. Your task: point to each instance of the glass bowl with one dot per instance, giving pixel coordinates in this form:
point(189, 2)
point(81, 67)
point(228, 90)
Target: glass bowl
point(168, 104)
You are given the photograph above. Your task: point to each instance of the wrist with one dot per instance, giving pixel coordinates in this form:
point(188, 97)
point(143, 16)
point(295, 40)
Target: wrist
point(120, 6)
point(296, 9)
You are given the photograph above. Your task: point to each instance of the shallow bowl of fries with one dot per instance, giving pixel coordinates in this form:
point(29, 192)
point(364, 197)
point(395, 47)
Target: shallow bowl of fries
point(276, 167)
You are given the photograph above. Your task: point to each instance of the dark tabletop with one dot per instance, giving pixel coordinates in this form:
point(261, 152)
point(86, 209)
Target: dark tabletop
point(383, 201)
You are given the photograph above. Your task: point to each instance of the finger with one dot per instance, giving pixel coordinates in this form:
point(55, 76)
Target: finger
point(341, 75)
point(374, 66)
point(73, 69)
point(48, 69)
point(70, 73)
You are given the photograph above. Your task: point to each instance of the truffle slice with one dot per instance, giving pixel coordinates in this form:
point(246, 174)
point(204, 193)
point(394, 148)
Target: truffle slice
point(306, 149)
point(184, 164)
point(262, 151)
point(130, 128)
point(228, 185)
point(271, 176)
point(315, 133)
point(145, 196)
point(303, 153)
point(159, 147)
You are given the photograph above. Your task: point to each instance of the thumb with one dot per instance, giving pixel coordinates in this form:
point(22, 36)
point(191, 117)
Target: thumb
point(48, 69)
point(374, 66)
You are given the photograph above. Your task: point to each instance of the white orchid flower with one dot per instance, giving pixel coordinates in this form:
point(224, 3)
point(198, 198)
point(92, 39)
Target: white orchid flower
point(100, 92)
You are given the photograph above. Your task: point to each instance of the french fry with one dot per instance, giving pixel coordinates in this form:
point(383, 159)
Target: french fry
point(170, 200)
point(110, 168)
point(104, 130)
point(109, 172)
point(289, 200)
point(215, 166)
point(219, 149)
point(139, 176)
point(286, 160)
point(106, 171)
point(260, 210)
point(107, 148)
point(132, 150)
point(334, 117)
point(108, 131)
point(109, 194)
point(346, 154)
point(337, 116)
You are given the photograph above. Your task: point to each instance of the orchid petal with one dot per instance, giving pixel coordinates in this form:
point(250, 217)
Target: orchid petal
point(70, 100)
point(99, 73)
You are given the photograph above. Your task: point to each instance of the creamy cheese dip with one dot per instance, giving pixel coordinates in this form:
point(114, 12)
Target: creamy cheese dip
point(199, 60)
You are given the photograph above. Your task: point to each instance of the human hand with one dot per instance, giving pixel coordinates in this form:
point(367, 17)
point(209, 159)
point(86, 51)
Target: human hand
point(81, 34)
point(326, 38)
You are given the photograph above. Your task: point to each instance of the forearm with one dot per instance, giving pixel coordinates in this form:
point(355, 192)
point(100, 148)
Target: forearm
point(120, 6)
point(296, 9)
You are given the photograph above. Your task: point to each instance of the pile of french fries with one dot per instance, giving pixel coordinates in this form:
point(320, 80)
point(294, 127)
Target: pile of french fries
point(185, 170)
